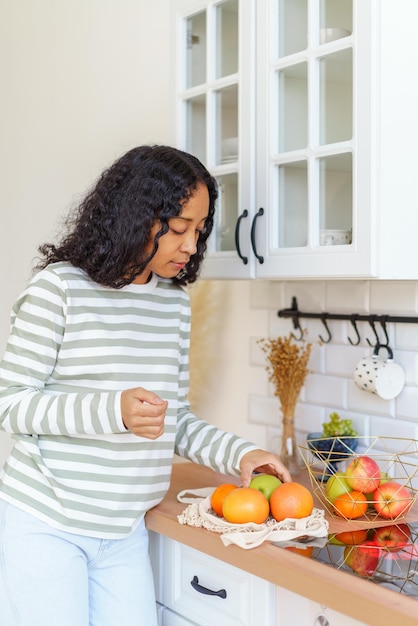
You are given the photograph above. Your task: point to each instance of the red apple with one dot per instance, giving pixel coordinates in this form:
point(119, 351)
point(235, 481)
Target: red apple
point(364, 559)
point(391, 500)
point(384, 478)
point(363, 474)
point(393, 537)
point(335, 486)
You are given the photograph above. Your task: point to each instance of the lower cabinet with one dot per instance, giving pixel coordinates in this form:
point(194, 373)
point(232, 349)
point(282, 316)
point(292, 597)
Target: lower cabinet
point(166, 617)
point(293, 608)
point(205, 591)
point(194, 589)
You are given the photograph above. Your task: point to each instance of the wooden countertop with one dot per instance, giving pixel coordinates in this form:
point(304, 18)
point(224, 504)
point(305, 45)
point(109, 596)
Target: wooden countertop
point(336, 589)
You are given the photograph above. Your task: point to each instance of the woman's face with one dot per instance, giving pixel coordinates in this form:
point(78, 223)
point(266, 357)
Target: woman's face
point(177, 246)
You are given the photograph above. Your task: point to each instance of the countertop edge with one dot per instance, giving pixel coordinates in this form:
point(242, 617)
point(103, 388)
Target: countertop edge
point(335, 589)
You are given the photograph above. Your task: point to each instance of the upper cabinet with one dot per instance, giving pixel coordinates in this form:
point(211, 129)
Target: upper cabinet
point(305, 112)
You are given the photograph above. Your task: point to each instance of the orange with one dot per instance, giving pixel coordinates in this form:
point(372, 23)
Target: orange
point(351, 505)
point(245, 504)
point(308, 551)
point(352, 537)
point(218, 497)
point(291, 500)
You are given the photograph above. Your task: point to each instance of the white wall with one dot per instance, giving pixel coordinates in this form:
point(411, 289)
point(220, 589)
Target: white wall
point(81, 82)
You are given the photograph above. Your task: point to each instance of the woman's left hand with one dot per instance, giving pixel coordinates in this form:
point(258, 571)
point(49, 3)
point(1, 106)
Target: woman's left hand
point(265, 463)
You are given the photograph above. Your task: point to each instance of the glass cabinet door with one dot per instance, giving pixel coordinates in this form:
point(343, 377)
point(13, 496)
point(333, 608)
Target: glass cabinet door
point(310, 143)
point(210, 110)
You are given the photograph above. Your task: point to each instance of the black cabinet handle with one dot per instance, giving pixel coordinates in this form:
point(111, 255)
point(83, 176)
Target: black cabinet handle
point(237, 227)
point(195, 584)
point(253, 226)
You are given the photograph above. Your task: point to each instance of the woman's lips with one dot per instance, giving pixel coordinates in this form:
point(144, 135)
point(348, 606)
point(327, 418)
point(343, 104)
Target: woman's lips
point(180, 266)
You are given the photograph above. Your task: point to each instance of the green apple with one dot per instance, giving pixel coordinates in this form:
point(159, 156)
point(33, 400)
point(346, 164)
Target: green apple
point(334, 541)
point(266, 483)
point(385, 478)
point(335, 486)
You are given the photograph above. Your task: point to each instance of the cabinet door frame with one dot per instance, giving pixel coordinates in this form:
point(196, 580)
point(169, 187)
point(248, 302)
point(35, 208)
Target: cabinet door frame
point(226, 264)
point(359, 258)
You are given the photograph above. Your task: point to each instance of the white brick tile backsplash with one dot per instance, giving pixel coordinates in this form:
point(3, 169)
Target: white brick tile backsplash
point(309, 417)
point(263, 410)
point(259, 319)
point(393, 297)
point(406, 335)
point(407, 403)
point(339, 292)
point(274, 439)
point(394, 429)
point(278, 326)
point(310, 295)
point(330, 385)
point(257, 356)
point(359, 400)
point(317, 359)
point(259, 382)
point(328, 391)
point(342, 360)
point(265, 294)
point(408, 360)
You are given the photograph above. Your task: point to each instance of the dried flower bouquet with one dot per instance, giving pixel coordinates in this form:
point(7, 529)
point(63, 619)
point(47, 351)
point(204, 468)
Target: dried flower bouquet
point(287, 369)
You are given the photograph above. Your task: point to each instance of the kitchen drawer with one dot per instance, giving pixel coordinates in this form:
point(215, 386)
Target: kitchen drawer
point(248, 601)
point(169, 618)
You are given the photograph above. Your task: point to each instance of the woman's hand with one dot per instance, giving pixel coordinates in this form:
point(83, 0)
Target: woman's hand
point(143, 412)
point(265, 463)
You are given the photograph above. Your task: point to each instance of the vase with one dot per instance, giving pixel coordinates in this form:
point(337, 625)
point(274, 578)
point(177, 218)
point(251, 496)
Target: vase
point(289, 451)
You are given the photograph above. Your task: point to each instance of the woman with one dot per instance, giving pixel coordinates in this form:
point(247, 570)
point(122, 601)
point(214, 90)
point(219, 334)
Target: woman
point(93, 386)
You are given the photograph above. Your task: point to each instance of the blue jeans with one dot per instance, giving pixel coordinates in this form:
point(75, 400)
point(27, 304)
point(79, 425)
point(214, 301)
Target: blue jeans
point(49, 577)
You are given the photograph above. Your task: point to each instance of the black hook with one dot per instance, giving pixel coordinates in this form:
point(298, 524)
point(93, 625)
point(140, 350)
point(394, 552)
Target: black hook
point(294, 312)
point(353, 322)
point(372, 319)
point(323, 319)
point(297, 326)
point(383, 325)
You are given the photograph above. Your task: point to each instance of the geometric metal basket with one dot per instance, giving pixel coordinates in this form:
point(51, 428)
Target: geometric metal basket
point(396, 456)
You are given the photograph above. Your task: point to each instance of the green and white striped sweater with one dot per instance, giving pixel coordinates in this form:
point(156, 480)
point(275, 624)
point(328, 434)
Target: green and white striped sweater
point(74, 346)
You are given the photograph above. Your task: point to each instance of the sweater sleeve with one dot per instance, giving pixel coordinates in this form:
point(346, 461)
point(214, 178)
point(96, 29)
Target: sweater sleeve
point(196, 439)
point(27, 406)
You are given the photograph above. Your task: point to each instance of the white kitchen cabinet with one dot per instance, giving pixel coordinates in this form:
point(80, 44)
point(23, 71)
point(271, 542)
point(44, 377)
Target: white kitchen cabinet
point(207, 591)
point(293, 608)
point(249, 601)
point(169, 618)
point(305, 111)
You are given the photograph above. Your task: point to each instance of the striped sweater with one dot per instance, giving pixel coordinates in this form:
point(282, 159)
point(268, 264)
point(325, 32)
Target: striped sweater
point(74, 346)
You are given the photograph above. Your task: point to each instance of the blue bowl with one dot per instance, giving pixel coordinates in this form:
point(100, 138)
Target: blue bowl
point(331, 450)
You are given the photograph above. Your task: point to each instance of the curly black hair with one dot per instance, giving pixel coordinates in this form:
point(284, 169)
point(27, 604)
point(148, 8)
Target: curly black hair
point(109, 234)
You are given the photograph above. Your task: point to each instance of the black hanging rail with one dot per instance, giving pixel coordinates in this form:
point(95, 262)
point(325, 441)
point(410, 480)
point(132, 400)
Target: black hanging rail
point(295, 314)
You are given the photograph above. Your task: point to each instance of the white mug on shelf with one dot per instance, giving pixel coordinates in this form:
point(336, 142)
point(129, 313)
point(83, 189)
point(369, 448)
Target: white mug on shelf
point(382, 377)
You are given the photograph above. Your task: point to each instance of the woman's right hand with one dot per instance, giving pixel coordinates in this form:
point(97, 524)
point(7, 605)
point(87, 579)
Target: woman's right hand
point(143, 412)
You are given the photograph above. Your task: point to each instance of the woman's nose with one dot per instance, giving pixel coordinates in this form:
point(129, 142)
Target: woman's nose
point(189, 243)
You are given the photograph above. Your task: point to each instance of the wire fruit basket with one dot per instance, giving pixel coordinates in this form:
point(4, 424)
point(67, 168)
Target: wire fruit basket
point(396, 457)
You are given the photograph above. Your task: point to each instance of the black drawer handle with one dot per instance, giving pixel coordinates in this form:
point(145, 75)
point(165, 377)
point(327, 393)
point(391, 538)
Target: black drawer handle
point(237, 227)
point(195, 584)
point(253, 225)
